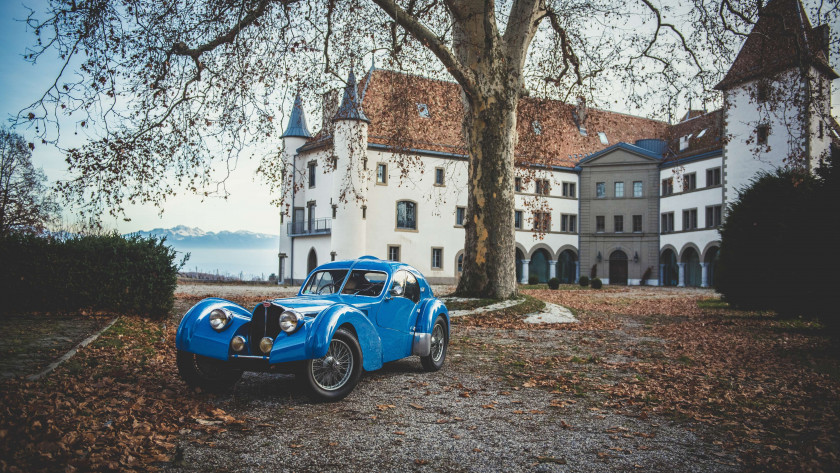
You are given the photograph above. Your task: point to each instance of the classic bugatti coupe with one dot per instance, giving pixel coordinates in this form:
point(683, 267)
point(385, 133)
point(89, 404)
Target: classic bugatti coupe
point(347, 316)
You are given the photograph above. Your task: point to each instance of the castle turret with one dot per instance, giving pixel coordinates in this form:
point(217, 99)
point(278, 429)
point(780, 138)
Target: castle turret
point(295, 136)
point(350, 183)
point(776, 97)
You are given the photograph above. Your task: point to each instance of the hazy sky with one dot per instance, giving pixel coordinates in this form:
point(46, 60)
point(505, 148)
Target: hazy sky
point(21, 83)
point(248, 206)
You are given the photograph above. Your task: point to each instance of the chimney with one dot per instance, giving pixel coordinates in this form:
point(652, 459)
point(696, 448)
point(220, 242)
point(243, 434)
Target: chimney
point(579, 115)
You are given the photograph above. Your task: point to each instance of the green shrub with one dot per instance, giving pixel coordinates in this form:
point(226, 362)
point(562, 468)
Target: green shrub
point(553, 283)
point(583, 281)
point(532, 280)
point(789, 212)
point(106, 273)
point(596, 283)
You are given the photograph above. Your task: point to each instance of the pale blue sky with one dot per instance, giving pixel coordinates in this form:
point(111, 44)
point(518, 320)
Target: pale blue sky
point(21, 83)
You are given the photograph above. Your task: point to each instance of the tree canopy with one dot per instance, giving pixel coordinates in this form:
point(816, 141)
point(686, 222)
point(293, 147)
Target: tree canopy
point(161, 87)
point(26, 204)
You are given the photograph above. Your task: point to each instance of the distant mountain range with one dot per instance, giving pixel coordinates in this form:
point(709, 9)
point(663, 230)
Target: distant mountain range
point(183, 236)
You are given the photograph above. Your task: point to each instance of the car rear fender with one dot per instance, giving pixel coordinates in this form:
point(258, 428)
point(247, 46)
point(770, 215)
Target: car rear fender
point(429, 313)
point(327, 322)
point(195, 334)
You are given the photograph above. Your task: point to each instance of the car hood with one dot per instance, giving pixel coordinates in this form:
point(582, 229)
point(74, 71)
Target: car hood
point(306, 305)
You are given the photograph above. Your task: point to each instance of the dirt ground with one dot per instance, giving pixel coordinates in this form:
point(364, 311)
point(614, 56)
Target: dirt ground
point(479, 413)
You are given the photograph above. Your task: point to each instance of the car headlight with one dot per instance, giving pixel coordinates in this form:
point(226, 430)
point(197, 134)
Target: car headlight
point(219, 319)
point(265, 344)
point(290, 321)
point(238, 343)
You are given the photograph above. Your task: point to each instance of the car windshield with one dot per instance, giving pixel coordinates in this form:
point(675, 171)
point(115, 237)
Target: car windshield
point(365, 283)
point(324, 282)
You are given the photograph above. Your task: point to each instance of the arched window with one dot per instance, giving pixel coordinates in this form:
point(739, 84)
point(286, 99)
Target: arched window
point(461, 263)
point(406, 215)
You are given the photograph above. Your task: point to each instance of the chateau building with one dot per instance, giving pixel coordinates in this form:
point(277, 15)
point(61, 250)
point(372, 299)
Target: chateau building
point(628, 199)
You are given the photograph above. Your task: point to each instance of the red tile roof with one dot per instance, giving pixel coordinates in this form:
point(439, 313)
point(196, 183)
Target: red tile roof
point(781, 36)
point(547, 131)
point(709, 125)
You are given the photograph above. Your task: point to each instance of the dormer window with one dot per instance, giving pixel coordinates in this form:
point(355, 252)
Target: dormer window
point(702, 133)
point(684, 141)
point(423, 110)
point(537, 127)
point(603, 137)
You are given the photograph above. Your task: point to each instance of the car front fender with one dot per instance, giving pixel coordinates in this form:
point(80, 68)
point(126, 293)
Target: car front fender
point(331, 319)
point(425, 322)
point(195, 334)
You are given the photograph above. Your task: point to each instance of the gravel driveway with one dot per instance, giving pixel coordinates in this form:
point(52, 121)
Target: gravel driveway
point(473, 415)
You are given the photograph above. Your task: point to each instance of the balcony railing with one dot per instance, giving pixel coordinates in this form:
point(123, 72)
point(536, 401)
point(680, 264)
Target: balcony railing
point(318, 226)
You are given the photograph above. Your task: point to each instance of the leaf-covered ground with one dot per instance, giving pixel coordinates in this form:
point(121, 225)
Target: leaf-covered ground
point(770, 387)
point(764, 390)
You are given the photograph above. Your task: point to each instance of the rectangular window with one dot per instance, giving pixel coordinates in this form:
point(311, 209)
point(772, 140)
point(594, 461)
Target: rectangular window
point(437, 258)
point(406, 215)
point(713, 216)
point(689, 219)
point(382, 173)
point(439, 176)
point(569, 189)
point(312, 174)
point(459, 215)
point(517, 184)
point(712, 177)
point(619, 189)
point(637, 224)
point(542, 221)
point(600, 189)
point(637, 188)
point(761, 134)
point(543, 187)
point(568, 223)
point(618, 223)
point(690, 182)
point(600, 224)
point(517, 219)
point(667, 222)
point(394, 252)
point(668, 186)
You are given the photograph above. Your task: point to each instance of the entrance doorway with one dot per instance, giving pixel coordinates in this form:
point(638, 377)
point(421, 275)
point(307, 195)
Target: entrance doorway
point(618, 268)
point(311, 261)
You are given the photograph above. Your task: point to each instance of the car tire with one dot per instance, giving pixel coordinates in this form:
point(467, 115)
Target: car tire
point(209, 374)
point(333, 376)
point(440, 343)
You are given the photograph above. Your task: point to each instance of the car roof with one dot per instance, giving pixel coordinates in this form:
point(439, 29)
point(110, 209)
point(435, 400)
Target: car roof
point(371, 263)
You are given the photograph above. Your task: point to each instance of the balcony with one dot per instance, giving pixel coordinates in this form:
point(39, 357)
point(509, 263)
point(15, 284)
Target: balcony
point(318, 226)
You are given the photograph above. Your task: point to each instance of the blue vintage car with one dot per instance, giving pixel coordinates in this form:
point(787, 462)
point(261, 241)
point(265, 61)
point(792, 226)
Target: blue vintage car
point(348, 316)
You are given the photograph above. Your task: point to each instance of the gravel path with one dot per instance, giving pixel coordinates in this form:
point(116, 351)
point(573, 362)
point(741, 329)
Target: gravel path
point(466, 417)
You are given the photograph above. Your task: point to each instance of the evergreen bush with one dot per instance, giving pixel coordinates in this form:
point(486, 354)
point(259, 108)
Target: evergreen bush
point(553, 283)
point(646, 276)
point(106, 273)
point(583, 281)
point(533, 280)
point(596, 283)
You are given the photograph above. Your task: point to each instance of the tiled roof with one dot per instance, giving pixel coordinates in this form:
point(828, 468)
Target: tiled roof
point(781, 36)
point(410, 112)
point(697, 135)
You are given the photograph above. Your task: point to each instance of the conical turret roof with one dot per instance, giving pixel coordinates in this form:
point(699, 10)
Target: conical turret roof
point(297, 122)
point(351, 107)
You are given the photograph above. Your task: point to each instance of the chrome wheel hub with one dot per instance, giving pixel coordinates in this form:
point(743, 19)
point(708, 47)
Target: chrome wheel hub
point(333, 370)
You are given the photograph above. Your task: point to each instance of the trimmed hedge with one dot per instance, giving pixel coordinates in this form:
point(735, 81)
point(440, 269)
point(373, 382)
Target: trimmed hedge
point(583, 281)
point(596, 283)
point(553, 283)
point(106, 273)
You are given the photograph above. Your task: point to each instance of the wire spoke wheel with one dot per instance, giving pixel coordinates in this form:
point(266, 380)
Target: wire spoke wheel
point(333, 370)
point(438, 339)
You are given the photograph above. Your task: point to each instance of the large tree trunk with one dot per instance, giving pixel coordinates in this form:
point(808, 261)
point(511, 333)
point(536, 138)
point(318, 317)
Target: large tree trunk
point(489, 257)
point(490, 132)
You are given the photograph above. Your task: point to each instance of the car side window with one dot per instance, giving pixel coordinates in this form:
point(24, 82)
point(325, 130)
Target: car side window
point(399, 280)
point(412, 288)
